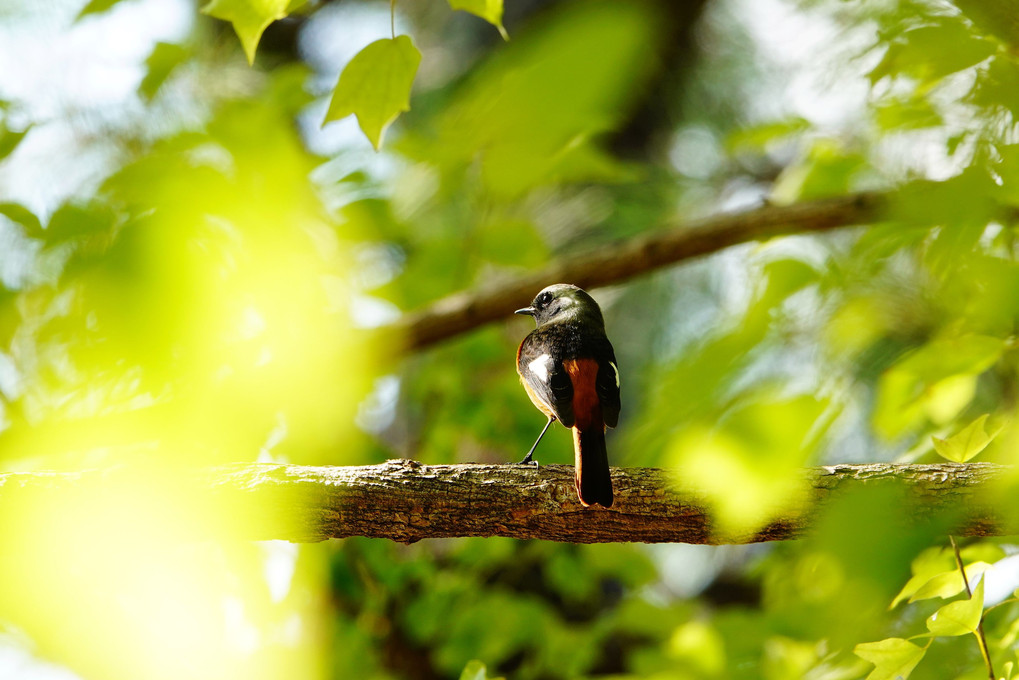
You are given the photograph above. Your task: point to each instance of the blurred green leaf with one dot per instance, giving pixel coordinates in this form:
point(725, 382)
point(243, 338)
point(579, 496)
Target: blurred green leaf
point(10, 139)
point(250, 18)
point(928, 564)
point(995, 17)
point(921, 52)
point(96, 7)
point(24, 217)
point(530, 111)
point(907, 114)
point(952, 354)
point(829, 168)
point(893, 658)
point(924, 383)
point(959, 618)
point(72, 221)
point(697, 645)
point(161, 62)
point(489, 10)
point(475, 670)
point(759, 137)
point(513, 242)
point(375, 86)
point(966, 443)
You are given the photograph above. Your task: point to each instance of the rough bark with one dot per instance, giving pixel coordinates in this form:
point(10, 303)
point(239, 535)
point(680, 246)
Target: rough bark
point(619, 261)
point(406, 501)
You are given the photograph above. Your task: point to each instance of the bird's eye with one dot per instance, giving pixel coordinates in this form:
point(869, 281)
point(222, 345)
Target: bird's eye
point(544, 299)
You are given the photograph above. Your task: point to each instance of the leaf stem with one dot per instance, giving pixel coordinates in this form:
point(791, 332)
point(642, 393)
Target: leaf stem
point(392, 18)
point(981, 639)
point(1001, 604)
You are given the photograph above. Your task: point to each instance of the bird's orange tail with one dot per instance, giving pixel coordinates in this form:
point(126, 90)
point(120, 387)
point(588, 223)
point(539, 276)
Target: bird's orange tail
point(594, 484)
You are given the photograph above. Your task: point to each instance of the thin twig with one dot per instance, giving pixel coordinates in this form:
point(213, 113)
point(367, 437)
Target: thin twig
point(981, 638)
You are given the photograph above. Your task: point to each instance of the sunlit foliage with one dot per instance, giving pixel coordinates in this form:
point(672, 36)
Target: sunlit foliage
point(202, 222)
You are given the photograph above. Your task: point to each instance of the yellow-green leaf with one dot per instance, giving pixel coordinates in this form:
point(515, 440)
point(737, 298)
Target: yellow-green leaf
point(249, 17)
point(949, 583)
point(960, 617)
point(375, 86)
point(967, 443)
point(475, 670)
point(96, 7)
point(925, 566)
point(489, 10)
point(165, 57)
point(9, 139)
point(893, 658)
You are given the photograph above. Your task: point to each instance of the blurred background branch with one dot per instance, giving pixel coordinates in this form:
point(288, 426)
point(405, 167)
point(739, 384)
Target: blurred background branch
point(623, 260)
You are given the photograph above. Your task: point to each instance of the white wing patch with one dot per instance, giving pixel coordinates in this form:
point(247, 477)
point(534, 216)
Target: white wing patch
point(616, 371)
point(539, 367)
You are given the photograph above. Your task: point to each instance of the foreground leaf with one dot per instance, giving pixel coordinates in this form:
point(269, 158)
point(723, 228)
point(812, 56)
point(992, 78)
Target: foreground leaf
point(9, 139)
point(893, 658)
point(249, 17)
point(475, 670)
point(161, 62)
point(489, 10)
point(967, 443)
point(949, 583)
point(375, 86)
point(959, 618)
point(96, 7)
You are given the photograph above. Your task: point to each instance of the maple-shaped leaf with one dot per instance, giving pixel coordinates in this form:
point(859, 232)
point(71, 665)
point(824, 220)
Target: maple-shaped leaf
point(966, 443)
point(893, 658)
point(249, 17)
point(375, 86)
point(959, 617)
point(489, 10)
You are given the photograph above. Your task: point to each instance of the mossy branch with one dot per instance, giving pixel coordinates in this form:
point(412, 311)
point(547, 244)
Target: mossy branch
point(407, 501)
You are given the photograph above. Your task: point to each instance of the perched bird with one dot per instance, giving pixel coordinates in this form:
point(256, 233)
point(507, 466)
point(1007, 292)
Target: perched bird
point(569, 371)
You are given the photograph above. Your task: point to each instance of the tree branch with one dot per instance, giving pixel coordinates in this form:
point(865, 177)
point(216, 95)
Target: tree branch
point(619, 261)
point(407, 501)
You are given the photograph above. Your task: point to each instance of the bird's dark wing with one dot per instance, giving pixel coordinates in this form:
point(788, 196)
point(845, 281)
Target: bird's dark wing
point(541, 368)
point(607, 382)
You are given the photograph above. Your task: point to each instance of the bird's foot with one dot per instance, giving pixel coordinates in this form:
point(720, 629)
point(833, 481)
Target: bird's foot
point(529, 460)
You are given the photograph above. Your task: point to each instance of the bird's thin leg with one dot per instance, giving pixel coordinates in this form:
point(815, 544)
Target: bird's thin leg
point(527, 459)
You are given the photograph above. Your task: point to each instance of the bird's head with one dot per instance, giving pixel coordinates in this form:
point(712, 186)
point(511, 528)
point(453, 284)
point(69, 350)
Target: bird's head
point(563, 302)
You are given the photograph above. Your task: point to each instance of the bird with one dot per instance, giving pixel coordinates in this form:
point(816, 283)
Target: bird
point(569, 370)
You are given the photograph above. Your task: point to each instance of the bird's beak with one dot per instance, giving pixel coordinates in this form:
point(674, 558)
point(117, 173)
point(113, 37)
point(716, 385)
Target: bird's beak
point(529, 311)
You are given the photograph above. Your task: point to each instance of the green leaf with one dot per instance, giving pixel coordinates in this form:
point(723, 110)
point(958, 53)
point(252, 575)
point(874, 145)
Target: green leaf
point(924, 567)
point(375, 86)
point(23, 216)
point(475, 670)
point(967, 443)
point(920, 52)
point(960, 617)
point(249, 17)
point(949, 583)
point(96, 7)
point(489, 10)
point(9, 139)
point(161, 62)
point(759, 137)
point(952, 355)
point(893, 658)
